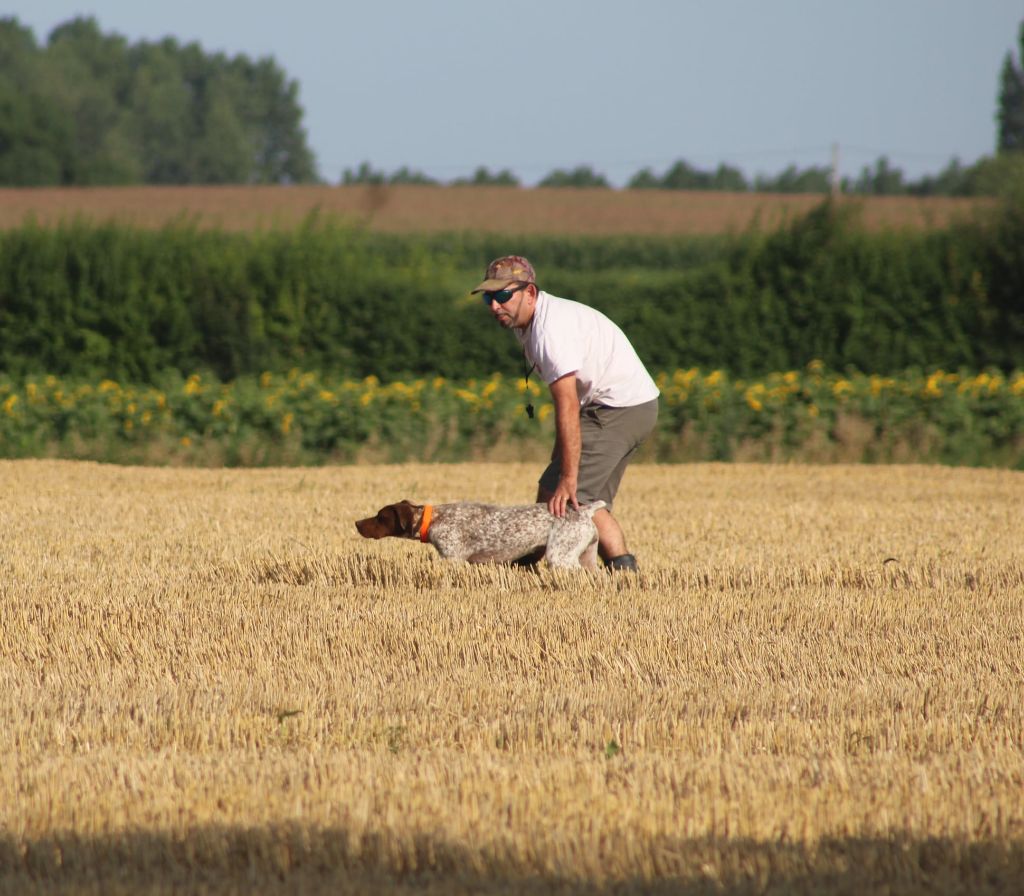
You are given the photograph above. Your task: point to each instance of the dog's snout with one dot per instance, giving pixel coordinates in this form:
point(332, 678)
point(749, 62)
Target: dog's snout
point(370, 528)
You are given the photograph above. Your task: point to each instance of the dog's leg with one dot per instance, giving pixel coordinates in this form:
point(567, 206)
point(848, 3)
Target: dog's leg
point(566, 542)
point(588, 559)
point(530, 560)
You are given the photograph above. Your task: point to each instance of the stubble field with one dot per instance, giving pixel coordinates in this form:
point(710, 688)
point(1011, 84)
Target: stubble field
point(209, 682)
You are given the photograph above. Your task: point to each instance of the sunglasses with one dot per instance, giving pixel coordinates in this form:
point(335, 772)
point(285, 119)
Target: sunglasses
point(501, 296)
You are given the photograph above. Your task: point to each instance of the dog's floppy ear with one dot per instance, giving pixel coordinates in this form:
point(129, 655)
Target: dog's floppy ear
point(405, 513)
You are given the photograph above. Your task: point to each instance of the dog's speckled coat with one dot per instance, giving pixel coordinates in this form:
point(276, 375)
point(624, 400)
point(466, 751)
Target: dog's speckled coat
point(491, 533)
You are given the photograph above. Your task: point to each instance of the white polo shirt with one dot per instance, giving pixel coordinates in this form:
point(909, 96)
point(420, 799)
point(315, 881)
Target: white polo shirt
point(566, 337)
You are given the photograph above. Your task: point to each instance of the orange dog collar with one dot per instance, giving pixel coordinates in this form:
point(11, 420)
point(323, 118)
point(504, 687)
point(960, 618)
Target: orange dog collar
point(428, 513)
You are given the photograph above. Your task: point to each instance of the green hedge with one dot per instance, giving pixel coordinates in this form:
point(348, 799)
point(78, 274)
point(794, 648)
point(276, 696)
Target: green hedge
point(107, 300)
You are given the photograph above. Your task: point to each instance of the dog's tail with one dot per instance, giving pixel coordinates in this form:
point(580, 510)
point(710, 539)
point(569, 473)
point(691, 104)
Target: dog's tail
point(590, 509)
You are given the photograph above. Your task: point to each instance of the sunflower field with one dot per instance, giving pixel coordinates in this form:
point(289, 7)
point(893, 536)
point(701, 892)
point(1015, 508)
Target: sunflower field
point(813, 414)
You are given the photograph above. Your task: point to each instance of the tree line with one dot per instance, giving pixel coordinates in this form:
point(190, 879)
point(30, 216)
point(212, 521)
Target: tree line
point(89, 108)
point(987, 177)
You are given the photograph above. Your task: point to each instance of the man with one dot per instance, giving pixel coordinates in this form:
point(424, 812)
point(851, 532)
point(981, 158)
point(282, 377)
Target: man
point(606, 403)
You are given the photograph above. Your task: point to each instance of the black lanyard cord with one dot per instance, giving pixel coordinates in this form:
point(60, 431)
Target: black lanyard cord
point(526, 384)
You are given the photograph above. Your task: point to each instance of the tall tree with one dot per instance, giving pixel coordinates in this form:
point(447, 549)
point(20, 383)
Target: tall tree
point(954, 180)
point(580, 176)
point(684, 176)
point(34, 133)
point(483, 177)
point(1011, 101)
point(364, 174)
point(88, 108)
point(794, 180)
point(882, 180)
point(730, 178)
point(161, 107)
point(88, 76)
point(644, 179)
point(269, 110)
point(19, 56)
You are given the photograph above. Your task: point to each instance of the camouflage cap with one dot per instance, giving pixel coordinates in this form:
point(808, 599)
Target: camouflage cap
point(505, 270)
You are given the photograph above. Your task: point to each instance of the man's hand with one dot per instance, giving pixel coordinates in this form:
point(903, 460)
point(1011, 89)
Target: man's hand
point(564, 496)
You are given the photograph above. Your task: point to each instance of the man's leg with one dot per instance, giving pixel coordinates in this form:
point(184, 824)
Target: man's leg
point(610, 540)
point(610, 438)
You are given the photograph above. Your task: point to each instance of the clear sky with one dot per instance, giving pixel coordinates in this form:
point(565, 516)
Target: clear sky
point(533, 85)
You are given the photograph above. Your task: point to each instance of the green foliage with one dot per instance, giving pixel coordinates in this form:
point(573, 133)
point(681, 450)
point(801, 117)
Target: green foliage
point(483, 177)
point(366, 174)
point(984, 178)
point(1011, 101)
point(90, 108)
point(581, 176)
point(107, 300)
point(35, 136)
point(34, 139)
point(882, 180)
point(1001, 176)
point(683, 176)
point(954, 180)
point(793, 180)
point(406, 175)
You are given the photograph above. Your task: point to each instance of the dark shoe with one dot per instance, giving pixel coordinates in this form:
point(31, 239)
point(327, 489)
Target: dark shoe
point(622, 563)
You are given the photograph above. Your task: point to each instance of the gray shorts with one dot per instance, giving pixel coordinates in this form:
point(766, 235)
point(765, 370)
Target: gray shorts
point(610, 437)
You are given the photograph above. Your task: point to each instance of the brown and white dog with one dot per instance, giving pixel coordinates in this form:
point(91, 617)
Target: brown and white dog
point(492, 533)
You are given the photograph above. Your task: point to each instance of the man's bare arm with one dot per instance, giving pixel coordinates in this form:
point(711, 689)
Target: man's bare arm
point(568, 443)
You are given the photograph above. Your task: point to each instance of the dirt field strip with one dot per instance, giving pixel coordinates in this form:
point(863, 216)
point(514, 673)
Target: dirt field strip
point(418, 208)
point(209, 681)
